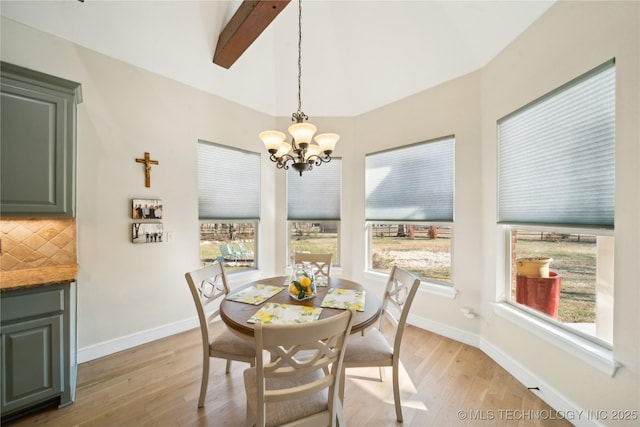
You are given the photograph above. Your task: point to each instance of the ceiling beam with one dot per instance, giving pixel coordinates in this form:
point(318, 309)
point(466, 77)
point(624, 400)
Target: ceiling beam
point(251, 18)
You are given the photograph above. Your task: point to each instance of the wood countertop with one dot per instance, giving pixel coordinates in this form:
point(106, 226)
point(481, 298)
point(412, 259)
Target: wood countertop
point(35, 277)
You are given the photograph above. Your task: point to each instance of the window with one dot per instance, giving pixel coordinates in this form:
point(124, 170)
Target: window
point(229, 205)
point(423, 249)
point(313, 210)
point(556, 201)
point(409, 209)
point(232, 243)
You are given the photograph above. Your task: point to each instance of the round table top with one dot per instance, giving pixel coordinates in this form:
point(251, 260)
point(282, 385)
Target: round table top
point(235, 314)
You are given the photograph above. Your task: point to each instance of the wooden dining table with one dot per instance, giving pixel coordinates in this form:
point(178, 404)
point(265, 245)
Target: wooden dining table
point(236, 314)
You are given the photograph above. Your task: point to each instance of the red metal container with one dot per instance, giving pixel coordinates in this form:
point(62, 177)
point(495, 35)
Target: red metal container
point(540, 293)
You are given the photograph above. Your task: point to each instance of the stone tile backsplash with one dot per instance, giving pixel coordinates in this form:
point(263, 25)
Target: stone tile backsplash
point(35, 243)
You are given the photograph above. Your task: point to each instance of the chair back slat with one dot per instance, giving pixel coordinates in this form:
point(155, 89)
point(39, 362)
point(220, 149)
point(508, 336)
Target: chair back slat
point(321, 262)
point(307, 355)
point(208, 287)
point(399, 293)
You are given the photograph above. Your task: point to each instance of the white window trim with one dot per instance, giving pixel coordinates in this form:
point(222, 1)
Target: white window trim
point(586, 350)
point(242, 277)
point(256, 246)
point(334, 267)
point(444, 291)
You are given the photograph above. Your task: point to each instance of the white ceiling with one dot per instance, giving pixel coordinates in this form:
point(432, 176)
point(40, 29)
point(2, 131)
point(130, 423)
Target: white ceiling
point(356, 55)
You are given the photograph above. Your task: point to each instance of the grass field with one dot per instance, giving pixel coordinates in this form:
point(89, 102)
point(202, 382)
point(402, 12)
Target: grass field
point(426, 258)
point(574, 260)
point(325, 243)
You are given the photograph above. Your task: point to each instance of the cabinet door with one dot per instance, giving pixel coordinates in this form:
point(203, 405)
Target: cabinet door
point(31, 362)
point(38, 144)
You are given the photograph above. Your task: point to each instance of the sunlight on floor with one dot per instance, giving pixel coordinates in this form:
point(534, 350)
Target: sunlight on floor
point(367, 380)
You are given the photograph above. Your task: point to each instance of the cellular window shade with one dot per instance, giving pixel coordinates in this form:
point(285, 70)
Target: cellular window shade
point(411, 183)
point(556, 156)
point(228, 182)
point(316, 194)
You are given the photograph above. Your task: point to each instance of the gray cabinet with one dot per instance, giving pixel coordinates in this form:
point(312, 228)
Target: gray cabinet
point(37, 143)
point(37, 347)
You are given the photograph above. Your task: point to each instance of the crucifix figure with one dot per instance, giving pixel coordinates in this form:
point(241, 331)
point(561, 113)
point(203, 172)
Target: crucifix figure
point(147, 168)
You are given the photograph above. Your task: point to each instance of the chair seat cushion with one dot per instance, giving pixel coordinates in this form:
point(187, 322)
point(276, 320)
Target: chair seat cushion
point(278, 413)
point(367, 349)
point(225, 341)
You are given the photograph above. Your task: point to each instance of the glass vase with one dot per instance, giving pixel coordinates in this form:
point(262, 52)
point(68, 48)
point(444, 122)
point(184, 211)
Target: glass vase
point(302, 285)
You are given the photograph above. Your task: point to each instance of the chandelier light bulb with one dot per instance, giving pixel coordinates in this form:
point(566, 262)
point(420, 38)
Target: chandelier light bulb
point(327, 141)
point(285, 147)
point(272, 139)
point(312, 150)
point(302, 133)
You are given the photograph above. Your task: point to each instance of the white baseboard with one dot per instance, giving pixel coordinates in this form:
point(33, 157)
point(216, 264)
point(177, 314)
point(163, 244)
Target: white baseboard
point(563, 407)
point(96, 351)
point(445, 330)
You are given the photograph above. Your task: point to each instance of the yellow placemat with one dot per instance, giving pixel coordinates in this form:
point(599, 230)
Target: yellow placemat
point(256, 294)
point(274, 313)
point(322, 281)
point(344, 299)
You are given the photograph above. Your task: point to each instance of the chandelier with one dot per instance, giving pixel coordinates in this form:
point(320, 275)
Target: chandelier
point(302, 154)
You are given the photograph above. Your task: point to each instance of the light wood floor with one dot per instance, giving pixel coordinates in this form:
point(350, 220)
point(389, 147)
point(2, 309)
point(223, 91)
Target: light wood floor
point(444, 383)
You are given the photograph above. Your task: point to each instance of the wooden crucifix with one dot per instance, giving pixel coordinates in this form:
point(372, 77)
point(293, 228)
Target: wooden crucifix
point(147, 168)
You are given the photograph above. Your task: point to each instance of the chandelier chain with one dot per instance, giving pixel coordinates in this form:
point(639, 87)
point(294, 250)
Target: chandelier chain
point(300, 58)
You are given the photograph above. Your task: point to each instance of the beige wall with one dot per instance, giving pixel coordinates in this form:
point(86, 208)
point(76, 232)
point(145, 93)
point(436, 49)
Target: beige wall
point(129, 293)
point(452, 108)
point(570, 39)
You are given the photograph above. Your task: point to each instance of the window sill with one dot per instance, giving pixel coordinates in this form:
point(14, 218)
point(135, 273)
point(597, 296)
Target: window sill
point(440, 290)
point(589, 352)
point(426, 287)
point(235, 278)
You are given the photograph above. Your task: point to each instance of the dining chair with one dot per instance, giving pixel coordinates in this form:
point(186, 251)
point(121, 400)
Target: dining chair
point(372, 348)
point(320, 262)
point(245, 253)
point(299, 384)
point(228, 253)
point(208, 287)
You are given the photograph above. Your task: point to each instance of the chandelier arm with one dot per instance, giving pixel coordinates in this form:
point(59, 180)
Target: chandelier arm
point(273, 158)
point(282, 159)
point(318, 160)
point(282, 164)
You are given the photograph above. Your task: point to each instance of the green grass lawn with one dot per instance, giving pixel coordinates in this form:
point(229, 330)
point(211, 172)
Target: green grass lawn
point(325, 243)
point(574, 261)
point(211, 251)
point(410, 254)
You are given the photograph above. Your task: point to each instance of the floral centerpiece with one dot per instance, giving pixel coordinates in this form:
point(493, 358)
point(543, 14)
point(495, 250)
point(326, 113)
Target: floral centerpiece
point(301, 282)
